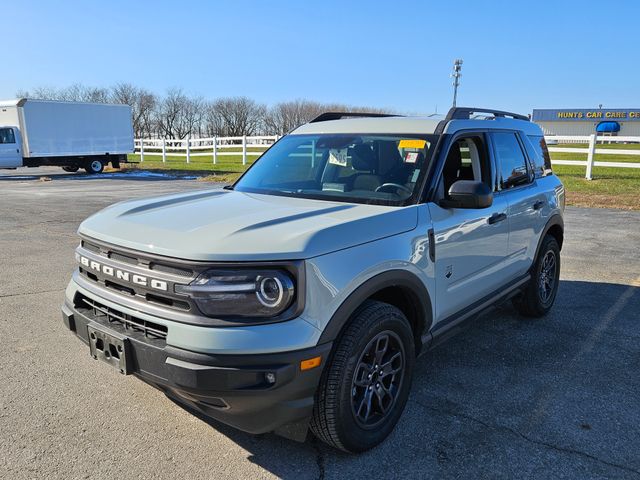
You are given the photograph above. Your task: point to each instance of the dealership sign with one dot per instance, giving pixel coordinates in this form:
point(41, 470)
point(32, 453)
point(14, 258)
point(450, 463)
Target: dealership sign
point(616, 114)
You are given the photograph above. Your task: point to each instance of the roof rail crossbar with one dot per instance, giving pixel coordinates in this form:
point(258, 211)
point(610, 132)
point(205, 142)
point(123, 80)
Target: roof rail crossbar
point(323, 117)
point(464, 113)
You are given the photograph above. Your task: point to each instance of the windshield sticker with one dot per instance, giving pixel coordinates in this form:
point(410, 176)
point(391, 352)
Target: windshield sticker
point(338, 156)
point(411, 157)
point(412, 143)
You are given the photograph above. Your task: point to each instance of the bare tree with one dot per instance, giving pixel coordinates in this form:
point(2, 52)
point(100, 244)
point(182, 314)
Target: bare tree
point(73, 93)
point(235, 116)
point(142, 103)
point(284, 117)
point(177, 115)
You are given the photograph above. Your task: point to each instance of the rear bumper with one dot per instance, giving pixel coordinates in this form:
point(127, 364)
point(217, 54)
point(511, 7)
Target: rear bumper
point(233, 389)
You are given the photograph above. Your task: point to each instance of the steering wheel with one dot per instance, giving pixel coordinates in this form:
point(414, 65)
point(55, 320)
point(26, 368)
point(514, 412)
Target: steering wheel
point(395, 185)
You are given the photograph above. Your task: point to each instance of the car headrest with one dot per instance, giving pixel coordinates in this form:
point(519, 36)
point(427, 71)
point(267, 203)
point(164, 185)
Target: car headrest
point(390, 157)
point(362, 158)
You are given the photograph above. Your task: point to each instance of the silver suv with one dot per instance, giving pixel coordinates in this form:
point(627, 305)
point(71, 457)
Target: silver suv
point(301, 296)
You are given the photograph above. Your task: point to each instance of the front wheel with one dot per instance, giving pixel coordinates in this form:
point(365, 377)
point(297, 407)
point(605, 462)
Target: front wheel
point(70, 169)
point(364, 389)
point(538, 297)
point(94, 166)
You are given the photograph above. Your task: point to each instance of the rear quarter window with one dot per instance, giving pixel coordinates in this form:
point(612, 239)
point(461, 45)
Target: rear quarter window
point(539, 155)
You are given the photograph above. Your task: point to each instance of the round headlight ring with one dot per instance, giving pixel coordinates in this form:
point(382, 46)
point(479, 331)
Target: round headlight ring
point(267, 298)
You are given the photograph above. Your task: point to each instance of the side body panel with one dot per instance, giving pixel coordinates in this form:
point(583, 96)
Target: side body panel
point(332, 278)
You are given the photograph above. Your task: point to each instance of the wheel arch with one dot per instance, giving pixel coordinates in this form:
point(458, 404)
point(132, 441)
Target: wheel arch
point(399, 288)
point(555, 228)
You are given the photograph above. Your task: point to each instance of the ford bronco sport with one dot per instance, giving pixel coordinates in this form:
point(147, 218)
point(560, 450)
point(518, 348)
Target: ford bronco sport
point(299, 297)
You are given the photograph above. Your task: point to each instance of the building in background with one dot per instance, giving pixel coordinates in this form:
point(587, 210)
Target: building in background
point(614, 121)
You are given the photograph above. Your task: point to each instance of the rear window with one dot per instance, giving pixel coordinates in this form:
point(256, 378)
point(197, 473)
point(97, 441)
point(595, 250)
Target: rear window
point(539, 154)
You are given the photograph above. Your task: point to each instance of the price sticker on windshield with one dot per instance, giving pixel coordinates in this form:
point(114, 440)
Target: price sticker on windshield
point(338, 156)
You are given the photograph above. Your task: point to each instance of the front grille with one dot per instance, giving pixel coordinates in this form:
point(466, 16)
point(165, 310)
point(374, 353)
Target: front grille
point(182, 272)
point(115, 318)
point(119, 257)
point(151, 268)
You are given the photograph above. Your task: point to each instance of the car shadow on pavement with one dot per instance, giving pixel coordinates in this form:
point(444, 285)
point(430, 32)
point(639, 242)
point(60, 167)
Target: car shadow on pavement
point(508, 397)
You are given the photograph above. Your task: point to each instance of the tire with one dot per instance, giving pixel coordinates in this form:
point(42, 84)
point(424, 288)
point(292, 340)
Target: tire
point(538, 297)
point(94, 167)
point(70, 169)
point(344, 415)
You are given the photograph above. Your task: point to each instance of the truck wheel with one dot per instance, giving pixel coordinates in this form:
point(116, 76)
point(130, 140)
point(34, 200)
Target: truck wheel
point(94, 166)
point(364, 388)
point(538, 297)
point(70, 169)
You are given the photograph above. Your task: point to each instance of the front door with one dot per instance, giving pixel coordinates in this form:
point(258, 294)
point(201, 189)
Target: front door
point(470, 244)
point(9, 149)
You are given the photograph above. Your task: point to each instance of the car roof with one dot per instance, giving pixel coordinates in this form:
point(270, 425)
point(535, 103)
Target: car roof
point(416, 125)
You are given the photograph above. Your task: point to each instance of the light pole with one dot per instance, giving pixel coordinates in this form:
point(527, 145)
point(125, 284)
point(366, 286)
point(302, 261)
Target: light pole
point(457, 73)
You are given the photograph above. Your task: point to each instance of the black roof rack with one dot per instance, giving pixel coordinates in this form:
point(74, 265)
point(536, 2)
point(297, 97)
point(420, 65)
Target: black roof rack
point(464, 113)
point(323, 117)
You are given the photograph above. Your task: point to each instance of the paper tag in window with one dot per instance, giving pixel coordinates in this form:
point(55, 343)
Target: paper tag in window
point(412, 143)
point(338, 156)
point(410, 157)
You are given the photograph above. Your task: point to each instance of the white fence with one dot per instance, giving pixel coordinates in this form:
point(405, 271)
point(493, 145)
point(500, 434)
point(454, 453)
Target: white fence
point(246, 146)
point(213, 147)
point(555, 145)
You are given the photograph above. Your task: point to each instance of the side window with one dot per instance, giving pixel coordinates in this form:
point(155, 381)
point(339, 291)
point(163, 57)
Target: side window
point(467, 159)
point(539, 153)
point(511, 160)
point(7, 135)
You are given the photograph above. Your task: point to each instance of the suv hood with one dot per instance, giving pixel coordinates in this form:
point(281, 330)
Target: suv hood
point(223, 225)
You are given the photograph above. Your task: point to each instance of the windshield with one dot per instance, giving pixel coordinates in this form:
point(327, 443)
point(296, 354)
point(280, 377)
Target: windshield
point(381, 169)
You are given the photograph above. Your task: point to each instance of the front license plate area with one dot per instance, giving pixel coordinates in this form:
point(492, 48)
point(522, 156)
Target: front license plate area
point(110, 348)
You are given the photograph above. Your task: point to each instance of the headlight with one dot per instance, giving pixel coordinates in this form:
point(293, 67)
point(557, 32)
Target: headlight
point(241, 293)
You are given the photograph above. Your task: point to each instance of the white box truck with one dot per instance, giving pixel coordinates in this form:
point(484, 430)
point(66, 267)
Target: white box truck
point(71, 135)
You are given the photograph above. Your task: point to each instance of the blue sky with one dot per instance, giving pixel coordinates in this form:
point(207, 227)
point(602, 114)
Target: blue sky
point(396, 54)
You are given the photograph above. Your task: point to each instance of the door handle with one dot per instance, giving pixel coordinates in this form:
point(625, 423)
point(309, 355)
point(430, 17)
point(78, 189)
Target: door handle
point(497, 217)
point(538, 205)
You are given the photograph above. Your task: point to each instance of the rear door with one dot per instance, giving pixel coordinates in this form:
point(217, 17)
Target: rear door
point(9, 148)
point(516, 183)
point(470, 244)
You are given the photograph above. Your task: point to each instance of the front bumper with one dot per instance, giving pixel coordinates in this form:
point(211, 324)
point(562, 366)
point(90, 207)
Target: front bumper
point(233, 389)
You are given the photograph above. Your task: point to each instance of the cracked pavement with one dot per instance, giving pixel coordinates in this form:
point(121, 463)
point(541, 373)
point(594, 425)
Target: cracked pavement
point(557, 397)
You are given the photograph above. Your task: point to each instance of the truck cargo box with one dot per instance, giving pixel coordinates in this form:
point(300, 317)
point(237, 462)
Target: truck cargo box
point(67, 129)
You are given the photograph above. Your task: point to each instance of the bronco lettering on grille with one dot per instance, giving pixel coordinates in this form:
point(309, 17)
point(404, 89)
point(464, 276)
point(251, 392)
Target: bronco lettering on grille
point(123, 275)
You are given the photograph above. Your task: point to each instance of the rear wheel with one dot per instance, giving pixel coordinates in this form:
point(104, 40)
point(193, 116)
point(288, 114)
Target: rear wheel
point(94, 166)
point(70, 169)
point(538, 297)
point(364, 388)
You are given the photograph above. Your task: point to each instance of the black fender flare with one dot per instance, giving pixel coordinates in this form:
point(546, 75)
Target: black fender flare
point(420, 299)
point(555, 220)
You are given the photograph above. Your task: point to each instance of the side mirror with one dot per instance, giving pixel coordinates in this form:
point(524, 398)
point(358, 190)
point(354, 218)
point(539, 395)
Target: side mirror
point(468, 194)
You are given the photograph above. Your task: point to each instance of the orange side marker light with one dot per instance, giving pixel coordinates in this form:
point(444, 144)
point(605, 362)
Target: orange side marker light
point(310, 363)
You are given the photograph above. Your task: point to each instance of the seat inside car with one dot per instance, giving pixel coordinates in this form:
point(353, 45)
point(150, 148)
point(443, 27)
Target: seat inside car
point(363, 159)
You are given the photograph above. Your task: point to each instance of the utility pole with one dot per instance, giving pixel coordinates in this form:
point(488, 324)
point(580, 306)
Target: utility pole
point(457, 73)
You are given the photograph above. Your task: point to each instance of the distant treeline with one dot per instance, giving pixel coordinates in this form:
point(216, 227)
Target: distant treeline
point(177, 115)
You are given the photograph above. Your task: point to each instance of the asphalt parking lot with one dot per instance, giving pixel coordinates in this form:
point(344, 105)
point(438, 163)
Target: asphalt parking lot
point(507, 398)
